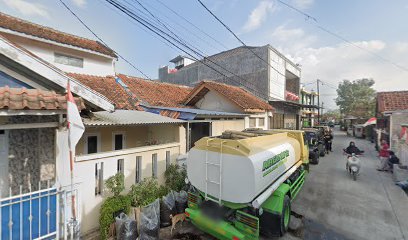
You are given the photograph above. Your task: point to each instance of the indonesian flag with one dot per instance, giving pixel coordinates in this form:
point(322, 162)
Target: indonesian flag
point(371, 121)
point(75, 126)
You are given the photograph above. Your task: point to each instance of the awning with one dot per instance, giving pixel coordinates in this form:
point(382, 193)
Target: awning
point(371, 121)
point(127, 117)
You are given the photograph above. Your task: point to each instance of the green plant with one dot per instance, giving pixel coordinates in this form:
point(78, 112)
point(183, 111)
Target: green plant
point(175, 177)
point(111, 206)
point(116, 184)
point(146, 192)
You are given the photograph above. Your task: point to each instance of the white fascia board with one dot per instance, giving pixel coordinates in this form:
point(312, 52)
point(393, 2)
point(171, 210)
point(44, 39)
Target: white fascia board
point(53, 74)
point(5, 30)
point(287, 60)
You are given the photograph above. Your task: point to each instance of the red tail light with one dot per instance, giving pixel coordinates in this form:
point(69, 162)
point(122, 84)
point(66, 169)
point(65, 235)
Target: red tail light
point(187, 214)
point(235, 238)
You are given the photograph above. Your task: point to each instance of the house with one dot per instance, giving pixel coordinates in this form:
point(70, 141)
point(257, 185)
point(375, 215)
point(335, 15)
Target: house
point(36, 63)
point(391, 111)
point(277, 82)
point(212, 107)
point(310, 110)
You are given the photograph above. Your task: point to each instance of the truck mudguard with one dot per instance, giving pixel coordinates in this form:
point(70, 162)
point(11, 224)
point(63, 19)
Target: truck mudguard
point(274, 204)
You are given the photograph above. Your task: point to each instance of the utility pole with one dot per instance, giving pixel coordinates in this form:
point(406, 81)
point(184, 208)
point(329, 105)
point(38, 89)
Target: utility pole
point(322, 107)
point(318, 100)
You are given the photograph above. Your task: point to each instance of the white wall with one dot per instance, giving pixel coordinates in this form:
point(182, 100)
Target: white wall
point(94, 64)
point(258, 116)
point(216, 102)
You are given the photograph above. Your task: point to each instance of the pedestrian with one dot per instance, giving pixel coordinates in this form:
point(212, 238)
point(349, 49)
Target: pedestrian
point(384, 154)
point(328, 137)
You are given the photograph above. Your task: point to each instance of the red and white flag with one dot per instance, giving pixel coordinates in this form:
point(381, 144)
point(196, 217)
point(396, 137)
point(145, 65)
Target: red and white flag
point(75, 126)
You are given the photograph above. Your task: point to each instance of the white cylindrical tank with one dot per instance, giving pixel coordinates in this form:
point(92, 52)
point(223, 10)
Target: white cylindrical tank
point(239, 170)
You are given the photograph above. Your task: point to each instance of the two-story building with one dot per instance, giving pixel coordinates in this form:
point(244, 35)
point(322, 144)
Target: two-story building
point(267, 74)
point(309, 110)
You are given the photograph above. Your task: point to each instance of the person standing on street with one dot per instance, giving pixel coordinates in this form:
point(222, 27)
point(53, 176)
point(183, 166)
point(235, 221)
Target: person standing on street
point(328, 138)
point(384, 154)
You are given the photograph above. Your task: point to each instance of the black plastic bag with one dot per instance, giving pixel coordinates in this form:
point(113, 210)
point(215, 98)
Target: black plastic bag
point(181, 201)
point(150, 221)
point(167, 208)
point(126, 228)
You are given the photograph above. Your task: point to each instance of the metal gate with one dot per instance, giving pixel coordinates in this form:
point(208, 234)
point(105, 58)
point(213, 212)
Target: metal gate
point(32, 215)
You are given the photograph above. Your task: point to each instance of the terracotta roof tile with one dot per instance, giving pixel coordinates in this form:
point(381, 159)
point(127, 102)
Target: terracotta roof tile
point(29, 28)
point(156, 93)
point(392, 101)
point(34, 99)
point(241, 97)
point(108, 87)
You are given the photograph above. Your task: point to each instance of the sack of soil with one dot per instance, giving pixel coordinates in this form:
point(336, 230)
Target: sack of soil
point(150, 221)
point(181, 201)
point(167, 208)
point(126, 228)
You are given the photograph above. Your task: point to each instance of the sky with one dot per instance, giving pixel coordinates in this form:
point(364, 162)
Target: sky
point(376, 32)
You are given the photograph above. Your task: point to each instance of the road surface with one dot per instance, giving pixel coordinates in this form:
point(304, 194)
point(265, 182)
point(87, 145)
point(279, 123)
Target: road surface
point(334, 207)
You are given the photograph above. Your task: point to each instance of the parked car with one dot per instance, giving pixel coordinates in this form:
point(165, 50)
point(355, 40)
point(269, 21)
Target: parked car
point(316, 146)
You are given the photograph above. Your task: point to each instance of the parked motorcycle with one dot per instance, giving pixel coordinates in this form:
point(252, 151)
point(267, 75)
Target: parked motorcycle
point(353, 164)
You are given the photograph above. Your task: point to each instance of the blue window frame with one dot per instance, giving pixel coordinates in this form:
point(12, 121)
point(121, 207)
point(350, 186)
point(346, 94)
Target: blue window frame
point(7, 80)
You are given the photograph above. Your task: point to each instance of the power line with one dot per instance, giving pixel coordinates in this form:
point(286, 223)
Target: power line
point(100, 39)
point(242, 42)
point(172, 40)
point(341, 37)
point(192, 24)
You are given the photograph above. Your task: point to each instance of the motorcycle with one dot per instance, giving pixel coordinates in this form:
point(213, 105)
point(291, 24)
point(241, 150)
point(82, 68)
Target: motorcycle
point(353, 164)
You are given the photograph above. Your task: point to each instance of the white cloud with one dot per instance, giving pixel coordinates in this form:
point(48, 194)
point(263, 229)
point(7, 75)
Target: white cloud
point(283, 34)
point(303, 4)
point(79, 3)
point(27, 8)
point(291, 39)
point(335, 63)
point(258, 15)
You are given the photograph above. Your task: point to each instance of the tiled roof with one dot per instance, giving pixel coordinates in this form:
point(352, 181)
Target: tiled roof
point(33, 99)
point(29, 28)
point(392, 101)
point(156, 93)
point(108, 87)
point(239, 96)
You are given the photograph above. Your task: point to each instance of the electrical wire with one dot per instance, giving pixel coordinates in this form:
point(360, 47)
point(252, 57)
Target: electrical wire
point(192, 24)
point(176, 43)
point(102, 41)
point(242, 42)
point(316, 24)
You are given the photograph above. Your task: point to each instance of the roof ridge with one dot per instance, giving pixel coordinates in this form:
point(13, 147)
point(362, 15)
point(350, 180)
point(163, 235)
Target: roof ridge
point(88, 75)
point(49, 28)
point(394, 91)
point(154, 81)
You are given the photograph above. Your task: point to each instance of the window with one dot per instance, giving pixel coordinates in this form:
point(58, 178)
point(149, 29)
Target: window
point(68, 60)
point(154, 165)
point(121, 166)
point(92, 144)
point(138, 169)
point(261, 122)
point(98, 178)
point(167, 159)
point(118, 141)
point(252, 122)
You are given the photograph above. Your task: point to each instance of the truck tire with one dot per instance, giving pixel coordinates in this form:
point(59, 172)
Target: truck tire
point(323, 153)
point(285, 219)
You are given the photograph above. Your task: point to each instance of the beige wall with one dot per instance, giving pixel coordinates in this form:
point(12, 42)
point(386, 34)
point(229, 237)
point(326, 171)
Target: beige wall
point(167, 137)
point(135, 136)
point(85, 175)
point(216, 102)
point(219, 126)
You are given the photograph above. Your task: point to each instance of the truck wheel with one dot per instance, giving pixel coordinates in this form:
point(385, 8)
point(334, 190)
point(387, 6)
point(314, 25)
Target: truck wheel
point(285, 219)
point(323, 153)
point(316, 158)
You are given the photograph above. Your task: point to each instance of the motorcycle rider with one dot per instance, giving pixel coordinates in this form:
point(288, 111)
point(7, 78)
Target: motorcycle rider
point(352, 149)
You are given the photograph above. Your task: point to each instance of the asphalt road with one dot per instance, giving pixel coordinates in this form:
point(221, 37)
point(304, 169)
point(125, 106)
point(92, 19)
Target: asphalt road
point(333, 207)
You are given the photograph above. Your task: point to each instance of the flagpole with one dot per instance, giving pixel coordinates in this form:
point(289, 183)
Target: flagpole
point(71, 161)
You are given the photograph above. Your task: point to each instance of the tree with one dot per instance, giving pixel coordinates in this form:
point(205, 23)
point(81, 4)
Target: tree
point(356, 97)
point(331, 115)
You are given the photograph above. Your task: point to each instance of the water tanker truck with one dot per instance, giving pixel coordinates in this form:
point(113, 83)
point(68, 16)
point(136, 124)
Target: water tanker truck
point(244, 182)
